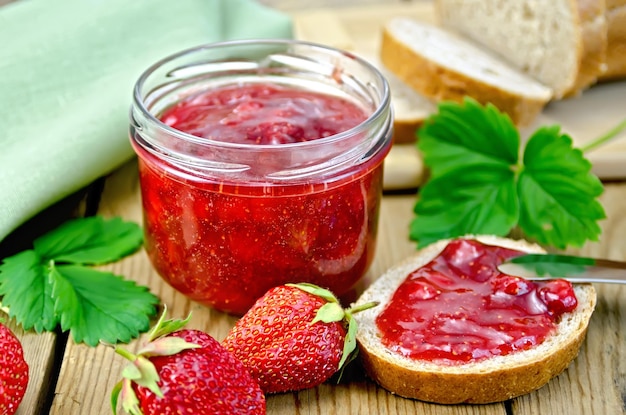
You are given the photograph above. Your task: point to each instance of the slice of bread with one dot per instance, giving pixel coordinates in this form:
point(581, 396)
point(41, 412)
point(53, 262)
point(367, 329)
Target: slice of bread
point(616, 40)
point(491, 380)
point(442, 66)
point(410, 108)
point(561, 43)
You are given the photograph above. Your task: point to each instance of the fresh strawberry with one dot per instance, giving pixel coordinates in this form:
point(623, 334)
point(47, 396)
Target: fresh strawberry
point(294, 337)
point(13, 372)
point(185, 371)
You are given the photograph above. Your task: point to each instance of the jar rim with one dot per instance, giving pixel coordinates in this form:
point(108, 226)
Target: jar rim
point(381, 107)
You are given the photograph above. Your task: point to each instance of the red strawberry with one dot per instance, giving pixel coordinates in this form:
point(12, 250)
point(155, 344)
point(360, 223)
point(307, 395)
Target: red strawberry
point(294, 337)
point(185, 371)
point(13, 372)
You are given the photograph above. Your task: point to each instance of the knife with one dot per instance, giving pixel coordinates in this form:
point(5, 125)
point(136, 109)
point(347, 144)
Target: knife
point(567, 267)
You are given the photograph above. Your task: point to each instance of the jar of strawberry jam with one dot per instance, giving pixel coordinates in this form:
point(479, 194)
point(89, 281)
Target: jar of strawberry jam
point(260, 163)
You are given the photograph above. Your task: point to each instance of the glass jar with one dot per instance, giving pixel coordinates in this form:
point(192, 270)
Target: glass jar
point(226, 220)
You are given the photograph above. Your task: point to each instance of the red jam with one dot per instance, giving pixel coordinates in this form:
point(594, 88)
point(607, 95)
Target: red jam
point(263, 114)
point(459, 308)
point(226, 242)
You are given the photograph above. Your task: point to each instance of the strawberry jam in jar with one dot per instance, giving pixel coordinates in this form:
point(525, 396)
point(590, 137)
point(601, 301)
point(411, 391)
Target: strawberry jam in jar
point(260, 163)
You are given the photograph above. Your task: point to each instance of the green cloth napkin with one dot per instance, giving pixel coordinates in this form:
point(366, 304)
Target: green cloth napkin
point(67, 70)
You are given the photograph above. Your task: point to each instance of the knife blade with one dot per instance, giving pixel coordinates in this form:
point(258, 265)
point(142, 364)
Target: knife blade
point(568, 267)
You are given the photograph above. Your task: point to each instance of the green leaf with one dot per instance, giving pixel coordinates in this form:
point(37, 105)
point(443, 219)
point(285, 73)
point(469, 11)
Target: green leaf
point(467, 135)
point(130, 402)
point(329, 313)
point(25, 291)
point(92, 240)
point(99, 306)
point(167, 346)
point(349, 345)
point(115, 394)
point(560, 192)
point(149, 375)
point(315, 290)
point(164, 326)
point(479, 186)
point(466, 201)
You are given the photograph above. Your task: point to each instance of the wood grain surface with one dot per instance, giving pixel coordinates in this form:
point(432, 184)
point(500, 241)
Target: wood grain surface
point(595, 383)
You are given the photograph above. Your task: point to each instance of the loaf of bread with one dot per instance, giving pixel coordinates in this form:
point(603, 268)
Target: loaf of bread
point(493, 379)
point(410, 108)
point(442, 66)
point(616, 40)
point(561, 43)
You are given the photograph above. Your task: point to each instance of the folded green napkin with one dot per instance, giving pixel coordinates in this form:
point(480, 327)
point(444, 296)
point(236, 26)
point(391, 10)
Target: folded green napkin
point(67, 70)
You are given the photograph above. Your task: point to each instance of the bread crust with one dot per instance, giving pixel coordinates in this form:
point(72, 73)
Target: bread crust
point(616, 41)
point(476, 388)
point(441, 83)
point(493, 380)
point(592, 52)
point(405, 130)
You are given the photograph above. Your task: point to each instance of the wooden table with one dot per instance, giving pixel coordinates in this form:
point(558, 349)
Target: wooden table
point(73, 379)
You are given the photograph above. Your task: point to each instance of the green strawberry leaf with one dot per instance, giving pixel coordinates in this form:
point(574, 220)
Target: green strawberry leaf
point(478, 185)
point(42, 291)
point(349, 345)
point(99, 306)
point(167, 346)
point(315, 290)
point(165, 326)
point(329, 313)
point(149, 375)
point(115, 395)
point(26, 293)
point(92, 240)
point(130, 402)
point(466, 201)
point(558, 179)
point(468, 135)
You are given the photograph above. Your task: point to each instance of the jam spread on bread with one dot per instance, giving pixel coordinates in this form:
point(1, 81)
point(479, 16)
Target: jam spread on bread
point(459, 308)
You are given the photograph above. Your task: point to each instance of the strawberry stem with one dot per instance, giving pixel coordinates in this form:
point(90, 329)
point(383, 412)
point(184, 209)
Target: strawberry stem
point(363, 307)
point(126, 354)
point(609, 135)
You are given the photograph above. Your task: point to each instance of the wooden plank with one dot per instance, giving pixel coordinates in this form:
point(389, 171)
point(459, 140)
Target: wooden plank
point(39, 353)
point(593, 384)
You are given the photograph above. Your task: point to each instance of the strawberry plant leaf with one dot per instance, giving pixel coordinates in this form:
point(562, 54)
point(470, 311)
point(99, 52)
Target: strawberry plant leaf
point(315, 290)
point(42, 291)
point(467, 135)
point(130, 402)
point(25, 290)
point(478, 184)
point(165, 326)
point(349, 345)
point(466, 201)
point(558, 179)
point(166, 346)
point(92, 240)
point(115, 394)
point(99, 306)
point(328, 313)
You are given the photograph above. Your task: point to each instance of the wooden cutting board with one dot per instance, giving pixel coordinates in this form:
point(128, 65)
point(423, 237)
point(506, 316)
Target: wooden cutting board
point(358, 29)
